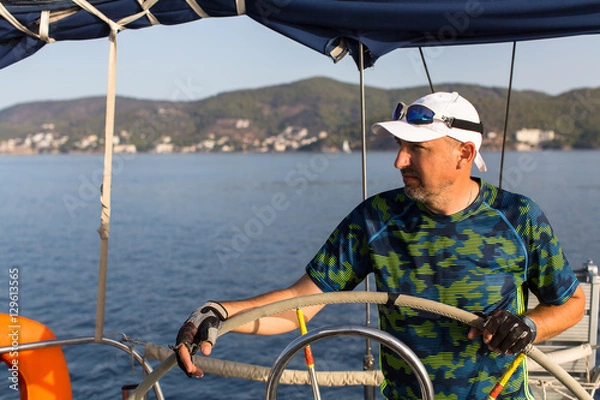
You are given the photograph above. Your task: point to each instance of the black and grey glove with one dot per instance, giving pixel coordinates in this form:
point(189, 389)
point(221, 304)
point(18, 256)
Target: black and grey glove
point(201, 326)
point(511, 334)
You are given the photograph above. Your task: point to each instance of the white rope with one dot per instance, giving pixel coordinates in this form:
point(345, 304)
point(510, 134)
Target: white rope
point(259, 373)
point(44, 29)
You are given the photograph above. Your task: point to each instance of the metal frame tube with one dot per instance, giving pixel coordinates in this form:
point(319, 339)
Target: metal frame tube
point(384, 338)
point(85, 340)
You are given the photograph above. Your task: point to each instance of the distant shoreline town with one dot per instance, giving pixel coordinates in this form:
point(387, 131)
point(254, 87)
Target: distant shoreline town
point(48, 141)
point(313, 115)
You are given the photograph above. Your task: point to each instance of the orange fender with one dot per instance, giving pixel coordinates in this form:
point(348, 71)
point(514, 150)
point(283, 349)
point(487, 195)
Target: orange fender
point(39, 374)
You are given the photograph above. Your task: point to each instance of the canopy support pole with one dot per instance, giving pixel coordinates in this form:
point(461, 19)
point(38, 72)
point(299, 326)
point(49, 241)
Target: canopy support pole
point(426, 70)
point(105, 191)
point(510, 81)
point(363, 121)
point(368, 359)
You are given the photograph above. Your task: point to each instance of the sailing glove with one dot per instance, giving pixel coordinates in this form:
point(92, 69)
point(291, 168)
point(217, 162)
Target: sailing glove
point(201, 326)
point(511, 334)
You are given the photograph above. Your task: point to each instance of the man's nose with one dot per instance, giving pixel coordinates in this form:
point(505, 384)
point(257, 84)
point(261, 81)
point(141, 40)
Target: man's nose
point(402, 159)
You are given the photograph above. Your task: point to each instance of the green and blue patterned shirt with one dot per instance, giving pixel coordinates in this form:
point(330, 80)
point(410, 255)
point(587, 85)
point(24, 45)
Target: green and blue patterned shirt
point(483, 258)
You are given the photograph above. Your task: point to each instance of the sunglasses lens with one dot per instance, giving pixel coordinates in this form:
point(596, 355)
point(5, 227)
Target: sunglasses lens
point(419, 115)
point(398, 112)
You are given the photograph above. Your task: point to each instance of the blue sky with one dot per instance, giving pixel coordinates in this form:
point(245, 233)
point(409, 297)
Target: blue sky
point(207, 57)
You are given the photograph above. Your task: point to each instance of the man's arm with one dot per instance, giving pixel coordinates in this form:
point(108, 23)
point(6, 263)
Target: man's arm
point(279, 323)
point(551, 320)
point(505, 333)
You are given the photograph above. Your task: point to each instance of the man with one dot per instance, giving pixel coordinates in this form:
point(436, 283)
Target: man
point(444, 236)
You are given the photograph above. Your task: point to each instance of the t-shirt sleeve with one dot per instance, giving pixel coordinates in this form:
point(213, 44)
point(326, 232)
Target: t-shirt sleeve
point(550, 276)
point(343, 260)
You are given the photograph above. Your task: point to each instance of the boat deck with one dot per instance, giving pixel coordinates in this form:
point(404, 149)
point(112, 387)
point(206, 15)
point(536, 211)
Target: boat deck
point(575, 348)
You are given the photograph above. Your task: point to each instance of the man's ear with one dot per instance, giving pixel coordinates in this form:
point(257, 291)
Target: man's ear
point(467, 153)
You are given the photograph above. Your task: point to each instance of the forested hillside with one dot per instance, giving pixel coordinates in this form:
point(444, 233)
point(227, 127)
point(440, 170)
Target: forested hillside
point(317, 106)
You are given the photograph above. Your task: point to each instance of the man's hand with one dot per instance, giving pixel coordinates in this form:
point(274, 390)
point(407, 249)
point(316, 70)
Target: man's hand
point(505, 333)
point(199, 331)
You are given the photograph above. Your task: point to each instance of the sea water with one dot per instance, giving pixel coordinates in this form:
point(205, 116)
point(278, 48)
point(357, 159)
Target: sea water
point(186, 228)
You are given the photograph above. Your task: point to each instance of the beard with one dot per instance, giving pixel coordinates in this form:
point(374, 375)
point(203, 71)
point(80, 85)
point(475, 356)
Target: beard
point(416, 190)
point(416, 193)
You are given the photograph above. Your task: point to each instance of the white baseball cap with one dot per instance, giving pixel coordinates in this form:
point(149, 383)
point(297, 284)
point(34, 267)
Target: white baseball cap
point(434, 116)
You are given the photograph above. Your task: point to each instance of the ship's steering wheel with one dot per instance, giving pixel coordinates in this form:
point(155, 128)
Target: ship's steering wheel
point(382, 337)
point(358, 297)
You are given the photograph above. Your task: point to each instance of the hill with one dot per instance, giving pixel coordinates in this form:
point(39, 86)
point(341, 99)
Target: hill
point(320, 108)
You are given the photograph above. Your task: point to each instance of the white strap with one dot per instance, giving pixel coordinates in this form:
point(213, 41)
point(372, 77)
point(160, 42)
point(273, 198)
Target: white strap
point(46, 17)
point(339, 51)
point(115, 27)
point(240, 6)
point(197, 9)
point(45, 26)
point(105, 197)
point(146, 5)
point(15, 22)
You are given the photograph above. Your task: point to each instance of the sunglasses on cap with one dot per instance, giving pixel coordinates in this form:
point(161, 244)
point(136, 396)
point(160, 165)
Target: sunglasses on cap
point(418, 114)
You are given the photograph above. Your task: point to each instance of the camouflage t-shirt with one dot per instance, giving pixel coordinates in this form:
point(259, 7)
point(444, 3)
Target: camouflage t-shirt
point(483, 258)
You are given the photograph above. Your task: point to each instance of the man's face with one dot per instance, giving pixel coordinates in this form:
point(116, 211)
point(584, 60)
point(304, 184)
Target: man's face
point(428, 168)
